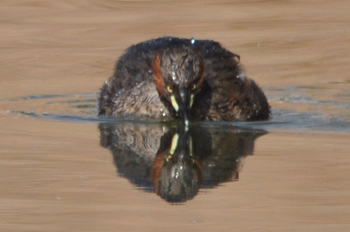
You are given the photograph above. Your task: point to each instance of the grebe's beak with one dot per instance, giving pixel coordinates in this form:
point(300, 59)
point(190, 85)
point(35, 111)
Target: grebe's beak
point(181, 101)
point(184, 112)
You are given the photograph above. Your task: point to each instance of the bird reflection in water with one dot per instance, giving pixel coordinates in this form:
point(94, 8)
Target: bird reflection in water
point(177, 168)
point(175, 161)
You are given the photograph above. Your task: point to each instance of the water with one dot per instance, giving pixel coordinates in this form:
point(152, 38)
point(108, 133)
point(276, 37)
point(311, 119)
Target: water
point(62, 168)
point(173, 162)
point(282, 119)
point(88, 167)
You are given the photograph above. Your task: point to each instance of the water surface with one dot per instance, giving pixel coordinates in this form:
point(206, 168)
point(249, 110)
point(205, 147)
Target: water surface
point(62, 169)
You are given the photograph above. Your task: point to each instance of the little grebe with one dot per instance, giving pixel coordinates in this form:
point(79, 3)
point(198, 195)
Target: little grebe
point(182, 78)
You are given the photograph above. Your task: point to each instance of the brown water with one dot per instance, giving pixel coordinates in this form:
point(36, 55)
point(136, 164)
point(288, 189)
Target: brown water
point(55, 176)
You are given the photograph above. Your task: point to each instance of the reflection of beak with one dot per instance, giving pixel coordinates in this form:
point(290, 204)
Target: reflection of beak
point(181, 103)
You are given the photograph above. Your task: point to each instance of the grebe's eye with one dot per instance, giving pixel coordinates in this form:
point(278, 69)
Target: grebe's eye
point(194, 86)
point(170, 90)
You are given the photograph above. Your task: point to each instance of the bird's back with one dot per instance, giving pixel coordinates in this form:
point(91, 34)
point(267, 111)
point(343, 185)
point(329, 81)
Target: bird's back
point(229, 95)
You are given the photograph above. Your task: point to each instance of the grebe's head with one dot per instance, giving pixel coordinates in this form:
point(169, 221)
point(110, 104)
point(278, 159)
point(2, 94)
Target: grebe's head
point(178, 76)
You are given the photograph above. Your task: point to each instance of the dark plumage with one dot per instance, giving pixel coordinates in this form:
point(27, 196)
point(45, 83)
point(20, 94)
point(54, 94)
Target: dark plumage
point(189, 79)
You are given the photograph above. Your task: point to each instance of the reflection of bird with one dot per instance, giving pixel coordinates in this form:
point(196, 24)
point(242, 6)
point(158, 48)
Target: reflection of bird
point(177, 169)
point(175, 161)
point(190, 79)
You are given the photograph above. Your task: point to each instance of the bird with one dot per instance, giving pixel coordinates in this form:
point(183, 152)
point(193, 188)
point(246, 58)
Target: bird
point(186, 79)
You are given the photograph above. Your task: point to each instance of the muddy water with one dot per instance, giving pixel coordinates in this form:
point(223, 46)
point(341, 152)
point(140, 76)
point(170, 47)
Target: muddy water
point(56, 176)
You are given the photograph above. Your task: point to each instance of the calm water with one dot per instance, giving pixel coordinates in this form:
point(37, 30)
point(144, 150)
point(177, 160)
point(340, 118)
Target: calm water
point(317, 117)
point(64, 169)
point(174, 162)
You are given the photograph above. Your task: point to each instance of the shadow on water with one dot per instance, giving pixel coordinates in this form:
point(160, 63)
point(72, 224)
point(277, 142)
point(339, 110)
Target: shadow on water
point(173, 162)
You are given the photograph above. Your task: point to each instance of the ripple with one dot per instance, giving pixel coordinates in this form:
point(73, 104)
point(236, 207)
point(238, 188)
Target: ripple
point(82, 108)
